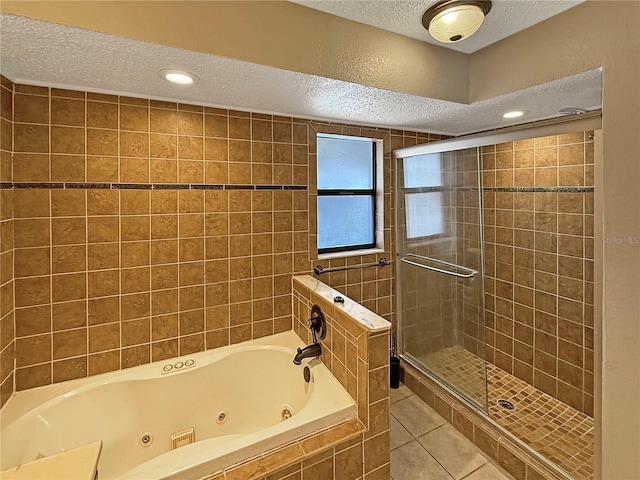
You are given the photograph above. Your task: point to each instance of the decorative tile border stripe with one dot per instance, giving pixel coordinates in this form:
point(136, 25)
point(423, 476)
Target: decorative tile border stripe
point(144, 186)
point(207, 186)
point(540, 189)
point(501, 189)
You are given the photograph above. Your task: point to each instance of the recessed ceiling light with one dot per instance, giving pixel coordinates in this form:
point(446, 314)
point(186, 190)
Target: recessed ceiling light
point(178, 76)
point(572, 110)
point(450, 21)
point(514, 114)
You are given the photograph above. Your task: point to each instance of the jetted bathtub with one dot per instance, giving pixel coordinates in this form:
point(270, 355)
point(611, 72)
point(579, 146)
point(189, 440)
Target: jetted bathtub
point(240, 401)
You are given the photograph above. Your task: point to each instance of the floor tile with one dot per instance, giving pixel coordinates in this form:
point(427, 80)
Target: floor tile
point(452, 450)
point(397, 394)
point(487, 472)
point(398, 434)
point(412, 462)
point(557, 431)
point(416, 416)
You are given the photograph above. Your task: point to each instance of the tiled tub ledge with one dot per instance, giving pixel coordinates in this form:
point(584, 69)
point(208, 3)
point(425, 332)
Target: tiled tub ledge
point(368, 320)
point(291, 454)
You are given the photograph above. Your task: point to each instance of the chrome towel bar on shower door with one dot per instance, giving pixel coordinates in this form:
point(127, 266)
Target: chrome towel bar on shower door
point(460, 271)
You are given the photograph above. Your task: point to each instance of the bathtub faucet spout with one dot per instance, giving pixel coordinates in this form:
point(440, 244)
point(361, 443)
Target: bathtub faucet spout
point(318, 325)
point(312, 350)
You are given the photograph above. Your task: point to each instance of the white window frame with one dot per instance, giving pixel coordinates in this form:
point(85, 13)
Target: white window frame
point(379, 202)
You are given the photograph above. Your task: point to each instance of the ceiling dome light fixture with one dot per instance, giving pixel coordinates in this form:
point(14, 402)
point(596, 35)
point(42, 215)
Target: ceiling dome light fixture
point(179, 77)
point(514, 114)
point(450, 21)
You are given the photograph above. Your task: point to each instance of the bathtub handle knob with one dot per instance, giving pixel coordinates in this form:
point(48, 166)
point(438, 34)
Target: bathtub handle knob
point(317, 324)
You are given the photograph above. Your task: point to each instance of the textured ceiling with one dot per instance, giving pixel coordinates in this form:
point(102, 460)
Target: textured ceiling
point(405, 17)
point(43, 53)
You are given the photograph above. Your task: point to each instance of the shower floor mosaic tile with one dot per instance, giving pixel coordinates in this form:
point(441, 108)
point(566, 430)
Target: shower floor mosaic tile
point(559, 432)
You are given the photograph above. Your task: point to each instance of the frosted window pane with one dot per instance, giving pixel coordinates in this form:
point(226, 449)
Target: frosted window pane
point(344, 163)
point(424, 214)
point(344, 220)
point(423, 171)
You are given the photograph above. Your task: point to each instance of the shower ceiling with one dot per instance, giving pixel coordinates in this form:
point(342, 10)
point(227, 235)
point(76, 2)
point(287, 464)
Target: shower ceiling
point(43, 53)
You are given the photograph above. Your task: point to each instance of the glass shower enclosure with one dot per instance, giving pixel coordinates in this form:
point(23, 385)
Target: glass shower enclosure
point(439, 277)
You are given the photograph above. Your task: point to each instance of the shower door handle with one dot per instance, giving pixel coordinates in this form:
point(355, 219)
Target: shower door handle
point(462, 272)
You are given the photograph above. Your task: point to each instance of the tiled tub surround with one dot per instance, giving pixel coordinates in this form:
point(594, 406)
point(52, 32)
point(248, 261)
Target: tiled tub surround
point(187, 396)
point(147, 230)
point(7, 324)
point(356, 351)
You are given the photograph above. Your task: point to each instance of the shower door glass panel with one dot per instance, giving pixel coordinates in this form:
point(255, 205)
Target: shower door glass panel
point(441, 325)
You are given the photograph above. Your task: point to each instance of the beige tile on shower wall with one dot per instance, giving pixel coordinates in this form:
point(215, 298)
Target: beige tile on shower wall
point(31, 138)
point(538, 270)
point(7, 243)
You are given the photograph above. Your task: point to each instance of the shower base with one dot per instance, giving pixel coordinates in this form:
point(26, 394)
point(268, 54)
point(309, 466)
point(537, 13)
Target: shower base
point(557, 431)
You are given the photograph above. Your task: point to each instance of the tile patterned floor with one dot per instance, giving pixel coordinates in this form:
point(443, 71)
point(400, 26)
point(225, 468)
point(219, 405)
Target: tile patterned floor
point(557, 431)
point(425, 447)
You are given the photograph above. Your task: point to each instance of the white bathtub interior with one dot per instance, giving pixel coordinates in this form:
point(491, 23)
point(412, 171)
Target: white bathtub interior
point(235, 398)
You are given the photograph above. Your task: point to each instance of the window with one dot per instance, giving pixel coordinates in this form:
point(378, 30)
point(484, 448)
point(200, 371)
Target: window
point(347, 188)
point(423, 197)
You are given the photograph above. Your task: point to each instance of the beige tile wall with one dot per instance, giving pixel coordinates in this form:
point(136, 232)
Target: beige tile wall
point(358, 358)
point(111, 273)
point(539, 263)
point(7, 330)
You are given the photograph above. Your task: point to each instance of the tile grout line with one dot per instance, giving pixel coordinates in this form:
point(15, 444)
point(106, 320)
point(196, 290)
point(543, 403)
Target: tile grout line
point(414, 438)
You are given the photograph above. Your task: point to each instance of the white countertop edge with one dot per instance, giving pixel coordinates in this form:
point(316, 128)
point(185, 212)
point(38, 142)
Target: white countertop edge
point(368, 319)
point(78, 463)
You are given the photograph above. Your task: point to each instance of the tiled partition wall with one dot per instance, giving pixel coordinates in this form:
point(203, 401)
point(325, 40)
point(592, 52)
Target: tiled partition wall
point(7, 331)
point(358, 357)
point(356, 351)
point(147, 229)
point(538, 197)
